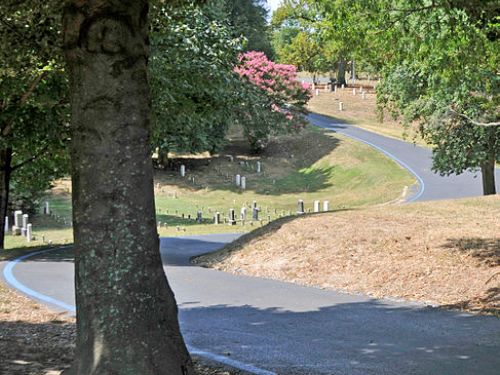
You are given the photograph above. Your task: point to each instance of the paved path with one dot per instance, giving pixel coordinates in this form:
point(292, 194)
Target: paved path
point(268, 327)
point(284, 328)
point(417, 159)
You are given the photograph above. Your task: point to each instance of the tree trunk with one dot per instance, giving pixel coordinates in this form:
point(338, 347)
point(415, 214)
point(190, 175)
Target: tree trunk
point(126, 312)
point(5, 172)
point(341, 72)
point(488, 176)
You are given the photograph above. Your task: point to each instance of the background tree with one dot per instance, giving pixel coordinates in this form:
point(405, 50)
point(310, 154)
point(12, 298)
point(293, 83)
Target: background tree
point(33, 106)
point(121, 288)
point(248, 19)
point(441, 70)
point(439, 65)
point(271, 100)
point(192, 78)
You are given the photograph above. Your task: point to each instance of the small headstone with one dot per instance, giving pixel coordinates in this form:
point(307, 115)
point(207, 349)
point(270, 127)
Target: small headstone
point(341, 106)
point(23, 232)
point(316, 206)
point(335, 88)
point(238, 180)
point(25, 221)
point(217, 218)
point(354, 91)
point(232, 217)
point(259, 167)
point(343, 85)
point(243, 213)
point(361, 89)
point(18, 218)
point(243, 183)
point(16, 231)
point(29, 232)
point(300, 207)
point(363, 95)
point(326, 206)
point(230, 157)
point(46, 208)
point(317, 92)
point(183, 170)
point(255, 213)
point(199, 217)
point(6, 225)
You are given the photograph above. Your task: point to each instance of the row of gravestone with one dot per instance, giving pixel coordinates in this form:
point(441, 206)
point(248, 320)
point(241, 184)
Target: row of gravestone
point(21, 226)
point(232, 217)
point(341, 104)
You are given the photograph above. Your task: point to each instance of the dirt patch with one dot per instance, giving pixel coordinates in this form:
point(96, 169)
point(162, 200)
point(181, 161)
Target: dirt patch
point(441, 253)
point(36, 341)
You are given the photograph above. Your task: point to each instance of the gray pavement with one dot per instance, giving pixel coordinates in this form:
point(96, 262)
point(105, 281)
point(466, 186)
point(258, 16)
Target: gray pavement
point(290, 329)
point(265, 325)
point(431, 186)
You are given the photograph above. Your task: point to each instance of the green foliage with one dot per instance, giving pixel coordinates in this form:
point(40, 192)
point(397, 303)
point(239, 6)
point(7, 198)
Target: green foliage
point(442, 73)
point(33, 106)
point(248, 19)
point(438, 60)
point(192, 82)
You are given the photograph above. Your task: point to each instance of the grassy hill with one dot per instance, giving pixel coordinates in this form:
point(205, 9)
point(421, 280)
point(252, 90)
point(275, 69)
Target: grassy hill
point(443, 253)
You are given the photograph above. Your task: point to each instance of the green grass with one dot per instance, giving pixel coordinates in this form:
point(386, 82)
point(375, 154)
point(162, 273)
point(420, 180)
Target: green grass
point(314, 165)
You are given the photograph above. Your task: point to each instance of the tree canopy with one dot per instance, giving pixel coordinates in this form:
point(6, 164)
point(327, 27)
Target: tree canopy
point(438, 60)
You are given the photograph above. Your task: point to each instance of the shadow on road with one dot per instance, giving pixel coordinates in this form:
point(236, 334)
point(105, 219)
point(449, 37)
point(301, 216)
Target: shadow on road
point(358, 338)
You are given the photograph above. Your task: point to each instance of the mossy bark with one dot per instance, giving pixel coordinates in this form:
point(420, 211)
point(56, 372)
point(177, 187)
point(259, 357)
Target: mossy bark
point(126, 312)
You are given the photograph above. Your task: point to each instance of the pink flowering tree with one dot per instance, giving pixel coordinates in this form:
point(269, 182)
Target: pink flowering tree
point(271, 100)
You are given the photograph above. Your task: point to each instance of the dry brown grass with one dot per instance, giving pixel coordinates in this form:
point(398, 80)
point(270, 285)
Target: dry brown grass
point(442, 253)
point(36, 341)
point(361, 112)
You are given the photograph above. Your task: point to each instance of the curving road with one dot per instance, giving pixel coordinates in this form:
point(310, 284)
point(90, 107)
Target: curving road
point(269, 327)
point(417, 159)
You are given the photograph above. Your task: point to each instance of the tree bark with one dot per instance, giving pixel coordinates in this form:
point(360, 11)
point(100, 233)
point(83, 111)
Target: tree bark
point(488, 176)
point(341, 72)
point(126, 312)
point(5, 173)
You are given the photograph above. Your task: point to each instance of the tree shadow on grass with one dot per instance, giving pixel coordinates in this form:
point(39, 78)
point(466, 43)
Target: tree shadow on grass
point(486, 250)
point(286, 166)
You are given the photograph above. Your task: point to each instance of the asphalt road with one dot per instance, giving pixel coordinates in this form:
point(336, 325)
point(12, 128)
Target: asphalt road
point(267, 326)
point(431, 186)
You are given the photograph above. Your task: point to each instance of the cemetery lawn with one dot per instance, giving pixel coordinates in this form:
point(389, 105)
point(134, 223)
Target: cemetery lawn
point(35, 340)
point(444, 253)
point(362, 113)
point(312, 165)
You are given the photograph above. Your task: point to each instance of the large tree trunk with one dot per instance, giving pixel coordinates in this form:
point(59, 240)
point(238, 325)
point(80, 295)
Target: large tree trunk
point(488, 176)
point(126, 312)
point(341, 72)
point(5, 171)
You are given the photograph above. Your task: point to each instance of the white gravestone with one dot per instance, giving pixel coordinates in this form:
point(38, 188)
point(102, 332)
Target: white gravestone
point(341, 106)
point(243, 213)
point(243, 183)
point(183, 170)
point(25, 221)
point(238, 180)
point(259, 167)
point(316, 206)
point(6, 226)
point(29, 232)
point(46, 208)
point(326, 206)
